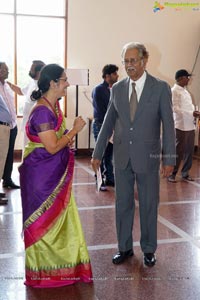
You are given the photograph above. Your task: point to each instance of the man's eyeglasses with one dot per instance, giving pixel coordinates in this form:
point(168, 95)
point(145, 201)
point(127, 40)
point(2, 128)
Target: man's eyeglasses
point(132, 61)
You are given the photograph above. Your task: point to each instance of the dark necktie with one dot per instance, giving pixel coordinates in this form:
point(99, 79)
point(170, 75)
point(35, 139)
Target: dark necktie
point(133, 102)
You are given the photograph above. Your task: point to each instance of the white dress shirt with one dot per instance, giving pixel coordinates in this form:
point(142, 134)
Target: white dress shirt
point(139, 85)
point(183, 108)
point(28, 103)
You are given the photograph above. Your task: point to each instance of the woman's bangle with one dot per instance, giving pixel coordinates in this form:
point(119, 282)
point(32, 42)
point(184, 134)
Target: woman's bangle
point(68, 137)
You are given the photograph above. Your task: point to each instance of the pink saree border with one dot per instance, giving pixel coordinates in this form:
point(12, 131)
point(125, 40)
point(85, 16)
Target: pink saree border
point(39, 227)
point(61, 277)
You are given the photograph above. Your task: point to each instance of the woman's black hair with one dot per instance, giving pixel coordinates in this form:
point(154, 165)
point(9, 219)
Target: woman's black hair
point(48, 73)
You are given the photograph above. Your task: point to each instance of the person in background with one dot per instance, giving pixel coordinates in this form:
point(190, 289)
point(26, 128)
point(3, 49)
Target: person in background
point(55, 248)
point(34, 73)
point(5, 121)
point(100, 100)
point(139, 105)
point(184, 114)
point(8, 97)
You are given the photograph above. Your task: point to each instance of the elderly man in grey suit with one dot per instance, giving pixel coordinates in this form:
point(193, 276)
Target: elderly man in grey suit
point(140, 104)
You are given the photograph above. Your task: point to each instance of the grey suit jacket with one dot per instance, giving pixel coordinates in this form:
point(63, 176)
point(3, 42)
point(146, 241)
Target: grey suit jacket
point(139, 141)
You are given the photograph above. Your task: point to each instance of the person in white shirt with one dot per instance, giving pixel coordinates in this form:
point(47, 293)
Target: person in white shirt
point(34, 73)
point(184, 115)
point(8, 97)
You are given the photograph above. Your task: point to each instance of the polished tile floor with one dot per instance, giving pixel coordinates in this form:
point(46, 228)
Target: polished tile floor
point(176, 276)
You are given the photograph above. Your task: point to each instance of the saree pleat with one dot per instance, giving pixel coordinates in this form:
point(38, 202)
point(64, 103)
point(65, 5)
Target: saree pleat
point(61, 256)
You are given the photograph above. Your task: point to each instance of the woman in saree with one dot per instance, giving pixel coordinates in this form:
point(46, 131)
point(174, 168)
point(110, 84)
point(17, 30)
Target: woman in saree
point(55, 249)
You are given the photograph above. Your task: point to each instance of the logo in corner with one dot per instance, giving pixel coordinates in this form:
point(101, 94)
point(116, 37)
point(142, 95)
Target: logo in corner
point(157, 6)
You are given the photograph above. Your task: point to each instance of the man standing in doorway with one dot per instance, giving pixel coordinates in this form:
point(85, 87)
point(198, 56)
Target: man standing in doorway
point(139, 105)
point(100, 100)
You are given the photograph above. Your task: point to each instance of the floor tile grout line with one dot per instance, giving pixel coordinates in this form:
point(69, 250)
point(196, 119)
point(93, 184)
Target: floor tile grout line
point(194, 183)
point(111, 206)
point(191, 182)
point(136, 244)
point(101, 247)
point(87, 169)
point(178, 231)
point(83, 183)
point(79, 208)
point(179, 202)
point(96, 207)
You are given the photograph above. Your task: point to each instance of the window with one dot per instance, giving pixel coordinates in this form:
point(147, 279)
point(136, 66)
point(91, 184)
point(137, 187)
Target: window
point(36, 31)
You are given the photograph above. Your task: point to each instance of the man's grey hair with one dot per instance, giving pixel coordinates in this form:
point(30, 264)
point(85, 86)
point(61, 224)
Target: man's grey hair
point(143, 53)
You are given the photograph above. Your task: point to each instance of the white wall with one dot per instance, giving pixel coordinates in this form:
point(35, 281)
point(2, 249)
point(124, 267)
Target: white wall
point(97, 31)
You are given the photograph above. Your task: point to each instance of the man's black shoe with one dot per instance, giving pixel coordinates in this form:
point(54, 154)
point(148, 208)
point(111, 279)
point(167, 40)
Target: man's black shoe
point(110, 183)
point(10, 185)
point(187, 178)
point(149, 259)
point(121, 256)
point(171, 178)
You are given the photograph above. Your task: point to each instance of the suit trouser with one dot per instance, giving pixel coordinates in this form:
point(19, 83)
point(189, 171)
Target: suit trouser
point(148, 194)
point(184, 151)
point(4, 143)
point(10, 155)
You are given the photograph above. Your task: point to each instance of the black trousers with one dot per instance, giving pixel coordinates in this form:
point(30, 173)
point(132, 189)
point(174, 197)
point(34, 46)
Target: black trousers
point(10, 156)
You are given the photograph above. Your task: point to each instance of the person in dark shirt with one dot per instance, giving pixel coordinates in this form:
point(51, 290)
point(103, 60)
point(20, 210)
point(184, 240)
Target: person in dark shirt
point(100, 100)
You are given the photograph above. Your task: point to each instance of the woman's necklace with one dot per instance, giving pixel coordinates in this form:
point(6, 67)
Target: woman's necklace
point(53, 109)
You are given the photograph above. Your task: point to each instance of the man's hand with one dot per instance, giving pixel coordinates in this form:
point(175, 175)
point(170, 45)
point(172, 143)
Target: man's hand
point(166, 171)
point(95, 164)
point(196, 114)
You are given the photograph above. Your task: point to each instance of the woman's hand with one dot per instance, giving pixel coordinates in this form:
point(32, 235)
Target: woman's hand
point(71, 144)
point(79, 123)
